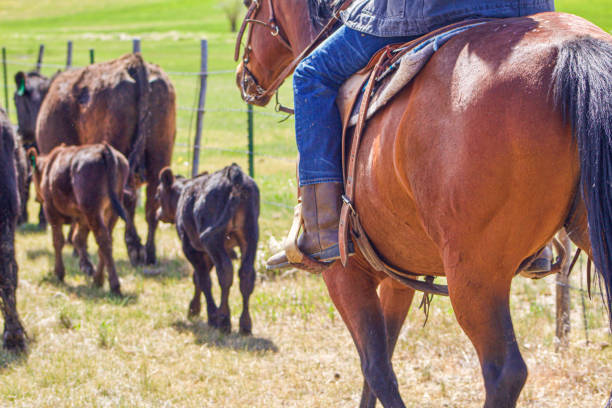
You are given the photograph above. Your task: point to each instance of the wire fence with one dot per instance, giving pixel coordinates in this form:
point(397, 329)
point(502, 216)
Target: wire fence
point(195, 81)
point(192, 115)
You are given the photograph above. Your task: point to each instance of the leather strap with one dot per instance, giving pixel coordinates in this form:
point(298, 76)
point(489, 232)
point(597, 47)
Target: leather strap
point(349, 185)
point(348, 213)
point(402, 276)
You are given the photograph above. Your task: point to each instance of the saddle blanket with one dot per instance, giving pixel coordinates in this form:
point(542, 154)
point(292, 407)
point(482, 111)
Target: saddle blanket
point(411, 59)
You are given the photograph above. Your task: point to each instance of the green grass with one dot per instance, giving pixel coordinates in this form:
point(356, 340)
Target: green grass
point(170, 33)
point(91, 349)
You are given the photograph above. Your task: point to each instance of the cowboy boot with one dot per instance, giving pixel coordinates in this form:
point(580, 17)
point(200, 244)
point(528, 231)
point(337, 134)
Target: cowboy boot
point(321, 204)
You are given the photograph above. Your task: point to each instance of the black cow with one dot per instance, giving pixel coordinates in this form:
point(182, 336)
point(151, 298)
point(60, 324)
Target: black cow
point(24, 176)
point(14, 335)
point(28, 99)
point(213, 214)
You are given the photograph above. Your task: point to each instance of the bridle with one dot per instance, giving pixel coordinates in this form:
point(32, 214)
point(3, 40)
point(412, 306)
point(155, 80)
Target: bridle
point(247, 75)
point(249, 20)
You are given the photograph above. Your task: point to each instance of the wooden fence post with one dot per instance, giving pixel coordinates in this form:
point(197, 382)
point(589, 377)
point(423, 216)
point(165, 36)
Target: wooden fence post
point(69, 55)
point(201, 102)
point(41, 52)
point(4, 73)
point(250, 139)
point(135, 45)
point(563, 296)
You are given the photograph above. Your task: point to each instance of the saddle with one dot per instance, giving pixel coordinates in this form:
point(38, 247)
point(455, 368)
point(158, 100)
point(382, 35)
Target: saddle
point(402, 62)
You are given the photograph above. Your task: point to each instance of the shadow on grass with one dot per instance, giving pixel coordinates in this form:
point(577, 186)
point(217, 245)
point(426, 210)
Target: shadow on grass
point(29, 228)
point(205, 334)
point(9, 358)
point(39, 253)
point(91, 292)
point(166, 269)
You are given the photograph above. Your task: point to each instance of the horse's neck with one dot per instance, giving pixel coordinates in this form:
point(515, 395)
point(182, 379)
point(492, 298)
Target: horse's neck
point(294, 17)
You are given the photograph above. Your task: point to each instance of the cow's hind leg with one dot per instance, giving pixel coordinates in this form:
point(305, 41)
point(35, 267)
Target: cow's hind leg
point(132, 239)
point(80, 246)
point(14, 334)
point(201, 282)
point(246, 273)
point(225, 274)
point(395, 300)
point(480, 299)
point(105, 251)
point(151, 215)
point(42, 219)
point(58, 244)
point(353, 291)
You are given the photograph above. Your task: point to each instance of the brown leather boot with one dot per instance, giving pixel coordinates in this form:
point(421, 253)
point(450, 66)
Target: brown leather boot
point(321, 204)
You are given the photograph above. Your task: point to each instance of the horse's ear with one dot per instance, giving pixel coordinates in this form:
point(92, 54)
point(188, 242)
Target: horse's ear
point(20, 81)
point(166, 177)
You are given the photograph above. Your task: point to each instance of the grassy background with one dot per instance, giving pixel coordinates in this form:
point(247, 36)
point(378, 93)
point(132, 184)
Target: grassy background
point(90, 349)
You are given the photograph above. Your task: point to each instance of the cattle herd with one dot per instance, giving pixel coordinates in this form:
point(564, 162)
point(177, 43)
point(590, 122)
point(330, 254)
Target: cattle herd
point(89, 138)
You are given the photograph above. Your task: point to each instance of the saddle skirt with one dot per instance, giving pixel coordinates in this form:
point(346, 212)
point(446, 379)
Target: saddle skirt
point(408, 60)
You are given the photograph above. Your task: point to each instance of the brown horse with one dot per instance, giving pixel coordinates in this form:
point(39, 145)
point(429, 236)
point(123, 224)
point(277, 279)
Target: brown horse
point(500, 141)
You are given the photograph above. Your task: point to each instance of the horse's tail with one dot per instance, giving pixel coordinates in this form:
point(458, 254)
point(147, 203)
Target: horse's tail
point(110, 162)
point(582, 82)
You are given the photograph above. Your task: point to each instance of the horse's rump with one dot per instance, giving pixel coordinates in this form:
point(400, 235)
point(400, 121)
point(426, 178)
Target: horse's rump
point(463, 151)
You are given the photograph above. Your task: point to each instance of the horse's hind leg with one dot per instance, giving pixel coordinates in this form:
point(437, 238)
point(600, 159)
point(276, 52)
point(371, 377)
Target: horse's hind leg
point(395, 300)
point(480, 299)
point(353, 292)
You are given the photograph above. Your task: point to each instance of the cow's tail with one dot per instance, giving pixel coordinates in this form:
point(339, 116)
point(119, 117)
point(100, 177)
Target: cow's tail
point(582, 82)
point(236, 178)
point(110, 162)
point(137, 69)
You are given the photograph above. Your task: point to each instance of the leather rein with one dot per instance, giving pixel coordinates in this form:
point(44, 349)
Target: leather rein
point(249, 20)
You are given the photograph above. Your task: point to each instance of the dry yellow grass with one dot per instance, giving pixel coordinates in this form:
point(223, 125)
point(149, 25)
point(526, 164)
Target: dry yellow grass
point(89, 349)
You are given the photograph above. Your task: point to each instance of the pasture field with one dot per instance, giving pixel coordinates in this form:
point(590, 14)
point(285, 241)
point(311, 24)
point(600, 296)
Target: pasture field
point(89, 349)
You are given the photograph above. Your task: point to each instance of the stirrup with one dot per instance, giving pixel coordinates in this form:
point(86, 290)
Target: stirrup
point(295, 256)
point(542, 270)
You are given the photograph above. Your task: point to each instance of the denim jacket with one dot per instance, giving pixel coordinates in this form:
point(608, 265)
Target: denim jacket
point(391, 18)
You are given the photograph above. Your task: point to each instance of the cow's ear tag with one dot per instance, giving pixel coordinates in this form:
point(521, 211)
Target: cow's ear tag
point(21, 89)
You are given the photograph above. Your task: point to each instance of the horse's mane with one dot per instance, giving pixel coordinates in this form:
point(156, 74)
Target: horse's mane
point(321, 11)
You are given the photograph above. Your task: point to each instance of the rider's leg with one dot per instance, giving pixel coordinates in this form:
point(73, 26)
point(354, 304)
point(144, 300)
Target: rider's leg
point(318, 129)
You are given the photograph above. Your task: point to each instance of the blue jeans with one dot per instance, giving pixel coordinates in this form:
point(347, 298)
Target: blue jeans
point(318, 128)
